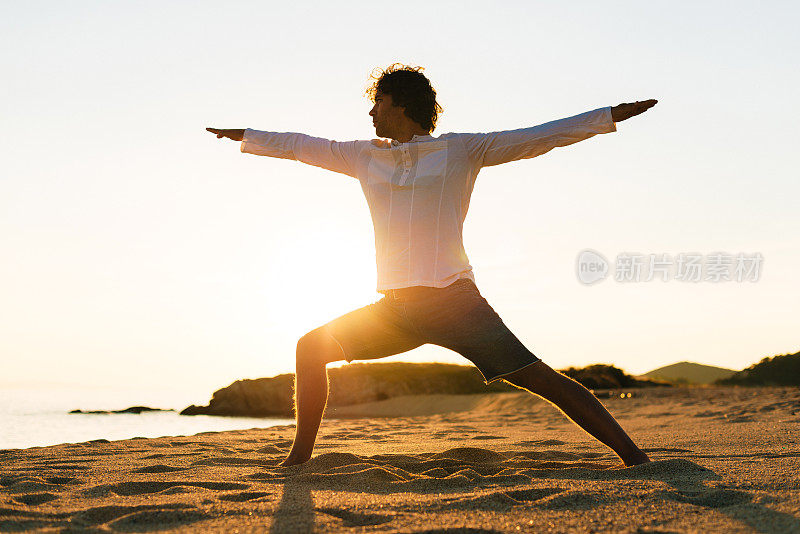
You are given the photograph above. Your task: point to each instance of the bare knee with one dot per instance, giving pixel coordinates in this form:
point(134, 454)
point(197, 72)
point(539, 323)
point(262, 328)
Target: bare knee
point(318, 347)
point(537, 378)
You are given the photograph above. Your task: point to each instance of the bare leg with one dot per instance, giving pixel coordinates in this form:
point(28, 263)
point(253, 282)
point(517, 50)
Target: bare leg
point(580, 406)
point(314, 351)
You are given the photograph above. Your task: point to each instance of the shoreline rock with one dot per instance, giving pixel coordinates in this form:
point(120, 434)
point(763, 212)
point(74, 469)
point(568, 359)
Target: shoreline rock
point(132, 409)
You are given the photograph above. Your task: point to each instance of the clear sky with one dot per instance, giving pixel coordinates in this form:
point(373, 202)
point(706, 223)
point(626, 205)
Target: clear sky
point(139, 250)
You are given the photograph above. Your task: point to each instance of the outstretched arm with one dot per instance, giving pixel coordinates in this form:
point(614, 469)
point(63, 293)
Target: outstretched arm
point(494, 148)
point(331, 155)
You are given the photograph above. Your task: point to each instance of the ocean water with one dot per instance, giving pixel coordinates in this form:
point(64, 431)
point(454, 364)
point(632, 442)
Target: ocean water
point(39, 416)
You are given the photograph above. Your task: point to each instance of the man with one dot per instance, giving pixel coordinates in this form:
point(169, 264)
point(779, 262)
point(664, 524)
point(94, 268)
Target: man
point(418, 189)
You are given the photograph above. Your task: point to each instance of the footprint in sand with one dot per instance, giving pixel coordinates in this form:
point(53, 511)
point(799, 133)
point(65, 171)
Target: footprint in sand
point(471, 455)
point(177, 490)
point(271, 449)
point(499, 500)
point(120, 518)
point(662, 449)
point(158, 519)
point(737, 418)
point(259, 462)
point(711, 498)
point(142, 488)
point(348, 435)
point(542, 442)
point(161, 455)
point(62, 481)
point(162, 444)
point(354, 519)
point(158, 468)
point(546, 455)
point(243, 496)
point(436, 472)
point(281, 443)
point(577, 500)
point(33, 499)
point(31, 485)
point(69, 467)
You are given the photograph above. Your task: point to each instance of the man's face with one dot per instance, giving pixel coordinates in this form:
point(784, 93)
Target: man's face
point(385, 116)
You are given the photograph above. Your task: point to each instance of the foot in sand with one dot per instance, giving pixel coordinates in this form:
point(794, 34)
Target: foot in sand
point(636, 459)
point(294, 460)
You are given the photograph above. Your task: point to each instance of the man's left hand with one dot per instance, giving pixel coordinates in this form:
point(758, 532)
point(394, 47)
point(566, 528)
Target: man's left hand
point(626, 111)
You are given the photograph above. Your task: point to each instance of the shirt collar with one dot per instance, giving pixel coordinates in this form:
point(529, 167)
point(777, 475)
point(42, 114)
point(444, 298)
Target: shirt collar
point(414, 138)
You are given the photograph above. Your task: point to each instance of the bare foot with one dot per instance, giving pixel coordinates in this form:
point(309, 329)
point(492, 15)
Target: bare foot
point(293, 460)
point(636, 459)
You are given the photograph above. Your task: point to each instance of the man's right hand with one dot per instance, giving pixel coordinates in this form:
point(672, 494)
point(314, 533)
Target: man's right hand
point(236, 135)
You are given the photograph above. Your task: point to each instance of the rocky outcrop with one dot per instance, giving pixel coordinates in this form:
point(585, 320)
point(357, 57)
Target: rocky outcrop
point(352, 384)
point(252, 398)
point(132, 409)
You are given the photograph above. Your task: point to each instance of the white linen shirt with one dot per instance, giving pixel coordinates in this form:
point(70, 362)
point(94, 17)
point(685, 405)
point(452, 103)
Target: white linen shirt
point(418, 192)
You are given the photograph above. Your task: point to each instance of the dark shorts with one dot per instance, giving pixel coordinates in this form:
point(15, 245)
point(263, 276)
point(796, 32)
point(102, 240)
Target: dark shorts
point(456, 317)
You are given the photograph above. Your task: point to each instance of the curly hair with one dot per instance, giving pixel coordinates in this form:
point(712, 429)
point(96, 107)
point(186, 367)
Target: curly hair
point(410, 89)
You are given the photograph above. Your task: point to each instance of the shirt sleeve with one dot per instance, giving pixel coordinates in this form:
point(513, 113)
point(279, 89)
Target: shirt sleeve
point(341, 157)
point(500, 147)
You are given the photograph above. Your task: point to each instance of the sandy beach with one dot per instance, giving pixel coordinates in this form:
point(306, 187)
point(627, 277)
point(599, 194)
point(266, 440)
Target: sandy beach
point(725, 460)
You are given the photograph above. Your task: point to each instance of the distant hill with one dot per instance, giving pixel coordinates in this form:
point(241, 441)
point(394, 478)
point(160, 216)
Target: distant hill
point(690, 373)
point(783, 370)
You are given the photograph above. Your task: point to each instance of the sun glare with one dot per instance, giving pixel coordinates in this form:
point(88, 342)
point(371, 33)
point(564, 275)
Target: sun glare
point(311, 281)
